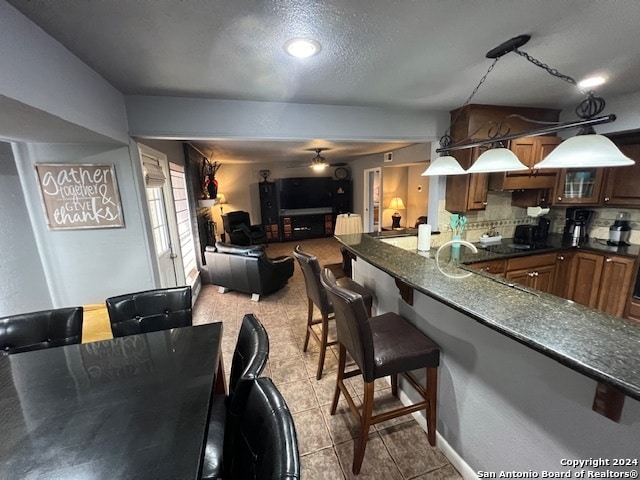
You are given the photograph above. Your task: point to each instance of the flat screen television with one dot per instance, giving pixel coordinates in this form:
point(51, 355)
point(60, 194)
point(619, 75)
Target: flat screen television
point(305, 192)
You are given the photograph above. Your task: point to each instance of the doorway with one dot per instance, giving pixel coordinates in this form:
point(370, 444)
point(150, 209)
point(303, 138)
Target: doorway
point(372, 198)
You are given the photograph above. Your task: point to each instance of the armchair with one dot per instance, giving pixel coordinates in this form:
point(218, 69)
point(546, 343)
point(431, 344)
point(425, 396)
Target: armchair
point(238, 227)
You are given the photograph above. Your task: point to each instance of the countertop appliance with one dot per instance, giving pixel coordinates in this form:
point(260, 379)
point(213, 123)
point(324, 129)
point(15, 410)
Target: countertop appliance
point(576, 227)
point(620, 230)
point(534, 236)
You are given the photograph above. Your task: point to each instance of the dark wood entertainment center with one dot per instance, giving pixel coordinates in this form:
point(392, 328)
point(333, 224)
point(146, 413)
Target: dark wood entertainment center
point(312, 221)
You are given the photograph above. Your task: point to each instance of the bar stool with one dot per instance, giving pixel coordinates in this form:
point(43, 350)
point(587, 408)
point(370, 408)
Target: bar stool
point(383, 345)
point(317, 296)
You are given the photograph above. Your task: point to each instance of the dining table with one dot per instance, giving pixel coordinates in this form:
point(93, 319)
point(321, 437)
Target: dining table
point(134, 407)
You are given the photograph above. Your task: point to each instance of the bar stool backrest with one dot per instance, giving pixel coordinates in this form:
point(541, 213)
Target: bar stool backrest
point(311, 270)
point(352, 323)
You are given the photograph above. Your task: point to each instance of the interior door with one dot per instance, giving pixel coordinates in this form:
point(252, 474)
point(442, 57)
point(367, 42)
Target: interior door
point(162, 217)
point(372, 199)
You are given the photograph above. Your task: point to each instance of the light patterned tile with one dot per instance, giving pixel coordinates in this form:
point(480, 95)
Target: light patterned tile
point(444, 473)
point(311, 430)
point(299, 395)
point(377, 463)
point(321, 465)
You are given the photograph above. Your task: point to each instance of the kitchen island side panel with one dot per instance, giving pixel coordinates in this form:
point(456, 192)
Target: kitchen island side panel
point(501, 405)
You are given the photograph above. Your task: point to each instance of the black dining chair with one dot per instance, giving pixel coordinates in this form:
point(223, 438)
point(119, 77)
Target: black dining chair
point(384, 345)
point(317, 297)
point(150, 311)
point(249, 359)
point(264, 443)
point(44, 329)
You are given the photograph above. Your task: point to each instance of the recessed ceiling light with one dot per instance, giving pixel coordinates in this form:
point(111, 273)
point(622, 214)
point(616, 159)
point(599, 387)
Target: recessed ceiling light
point(302, 47)
point(591, 82)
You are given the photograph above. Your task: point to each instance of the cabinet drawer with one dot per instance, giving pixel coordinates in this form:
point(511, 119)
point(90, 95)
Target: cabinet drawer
point(497, 267)
point(532, 261)
point(634, 309)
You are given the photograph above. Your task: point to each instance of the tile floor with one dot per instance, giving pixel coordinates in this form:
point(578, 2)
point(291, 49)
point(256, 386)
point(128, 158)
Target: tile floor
point(397, 449)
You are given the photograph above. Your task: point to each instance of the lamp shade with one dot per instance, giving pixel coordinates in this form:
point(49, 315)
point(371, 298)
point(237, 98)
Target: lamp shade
point(497, 160)
point(445, 165)
point(585, 151)
point(220, 199)
point(348, 223)
point(396, 203)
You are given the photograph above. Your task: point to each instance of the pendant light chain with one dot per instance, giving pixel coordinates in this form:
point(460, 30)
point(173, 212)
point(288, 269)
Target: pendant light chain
point(546, 67)
point(445, 140)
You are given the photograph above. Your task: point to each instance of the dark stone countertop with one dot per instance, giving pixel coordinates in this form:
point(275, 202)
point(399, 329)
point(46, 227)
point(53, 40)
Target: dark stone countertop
point(596, 344)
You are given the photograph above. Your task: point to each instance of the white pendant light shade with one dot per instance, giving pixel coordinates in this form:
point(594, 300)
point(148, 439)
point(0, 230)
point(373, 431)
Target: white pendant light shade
point(497, 160)
point(585, 151)
point(445, 165)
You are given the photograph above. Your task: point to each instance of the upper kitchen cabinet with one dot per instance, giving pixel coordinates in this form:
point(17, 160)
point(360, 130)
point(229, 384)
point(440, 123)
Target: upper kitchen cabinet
point(476, 122)
point(529, 150)
point(621, 183)
point(578, 186)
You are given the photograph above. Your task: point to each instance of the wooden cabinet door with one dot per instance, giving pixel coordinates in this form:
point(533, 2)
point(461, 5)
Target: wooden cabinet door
point(617, 273)
point(563, 281)
point(588, 271)
point(578, 187)
point(621, 183)
point(497, 267)
point(523, 277)
point(543, 278)
point(467, 192)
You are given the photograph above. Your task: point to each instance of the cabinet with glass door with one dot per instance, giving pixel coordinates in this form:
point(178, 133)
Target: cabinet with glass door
point(578, 186)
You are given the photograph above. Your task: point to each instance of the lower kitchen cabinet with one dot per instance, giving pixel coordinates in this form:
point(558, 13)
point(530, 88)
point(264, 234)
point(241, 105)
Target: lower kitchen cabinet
point(497, 267)
point(535, 271)
point(602, 281)
point(563, 282)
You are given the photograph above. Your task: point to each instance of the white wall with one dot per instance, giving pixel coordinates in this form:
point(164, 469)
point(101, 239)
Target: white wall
point(503, 406)
point(89, 265)
point(22, 281)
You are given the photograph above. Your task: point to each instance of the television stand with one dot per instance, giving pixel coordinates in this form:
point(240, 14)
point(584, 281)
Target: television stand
point(306, 225)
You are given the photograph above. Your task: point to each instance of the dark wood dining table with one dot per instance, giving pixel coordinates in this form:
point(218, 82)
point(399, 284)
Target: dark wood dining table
point(133, 407)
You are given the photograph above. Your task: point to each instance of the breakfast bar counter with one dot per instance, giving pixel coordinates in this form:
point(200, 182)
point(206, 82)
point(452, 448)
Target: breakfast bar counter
point(455, 311)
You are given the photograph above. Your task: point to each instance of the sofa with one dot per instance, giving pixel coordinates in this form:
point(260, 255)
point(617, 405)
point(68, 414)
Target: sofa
point(246, 269)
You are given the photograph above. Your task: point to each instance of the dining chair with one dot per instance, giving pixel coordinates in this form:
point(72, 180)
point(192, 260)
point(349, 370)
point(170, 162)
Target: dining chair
point(44, 329)
point(150, 311)
point(265, 443)
point(317, 297)
point(249, 359)
point(384, 345)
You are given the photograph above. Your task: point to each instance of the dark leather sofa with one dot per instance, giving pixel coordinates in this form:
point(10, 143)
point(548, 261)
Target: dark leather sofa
point(37, 330)
point(247, 269)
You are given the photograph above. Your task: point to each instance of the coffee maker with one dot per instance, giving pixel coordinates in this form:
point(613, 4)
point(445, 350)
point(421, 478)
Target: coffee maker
point(576, 227)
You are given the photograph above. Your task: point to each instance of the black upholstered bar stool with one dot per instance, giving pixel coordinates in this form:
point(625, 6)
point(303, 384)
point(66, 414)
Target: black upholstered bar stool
point(383, 345)
point(317, 296)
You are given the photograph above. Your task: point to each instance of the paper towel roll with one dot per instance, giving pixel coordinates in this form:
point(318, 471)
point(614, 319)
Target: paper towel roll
point(424, 237)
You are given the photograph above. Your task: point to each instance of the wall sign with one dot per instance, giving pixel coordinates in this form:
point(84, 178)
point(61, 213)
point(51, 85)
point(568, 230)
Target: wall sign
point(79, 196)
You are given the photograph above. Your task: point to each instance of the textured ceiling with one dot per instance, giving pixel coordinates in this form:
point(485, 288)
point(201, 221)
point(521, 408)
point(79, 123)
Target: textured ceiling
point(422, 54)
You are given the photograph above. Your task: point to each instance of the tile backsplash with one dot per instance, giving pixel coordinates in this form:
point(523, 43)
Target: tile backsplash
point(504, 218)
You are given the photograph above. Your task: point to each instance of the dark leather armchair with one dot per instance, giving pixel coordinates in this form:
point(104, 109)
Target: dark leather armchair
point(249, 359)
point(247, 269)
point(150, 311)
point(239, 230)
point(37, 330)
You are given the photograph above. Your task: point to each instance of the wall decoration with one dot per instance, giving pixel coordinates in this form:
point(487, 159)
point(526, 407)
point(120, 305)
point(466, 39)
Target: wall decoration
point(76, 196)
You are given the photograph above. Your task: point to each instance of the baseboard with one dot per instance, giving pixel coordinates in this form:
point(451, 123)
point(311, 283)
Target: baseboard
point(447, 450)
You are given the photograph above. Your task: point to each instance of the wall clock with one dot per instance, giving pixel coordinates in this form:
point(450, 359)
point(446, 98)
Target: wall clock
point(341, 173)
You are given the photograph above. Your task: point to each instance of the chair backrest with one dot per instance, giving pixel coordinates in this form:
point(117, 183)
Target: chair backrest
point(352, 323)
point(311, 271)
point(231, 220)
point(38, 330)
point(150, 311)
point(251, 351)
point(265, 444)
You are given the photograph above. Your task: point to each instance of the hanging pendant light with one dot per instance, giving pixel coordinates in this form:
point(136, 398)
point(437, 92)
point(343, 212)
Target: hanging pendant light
point(497, 159)
point(444, 165)
point(318, 163)
point(585, 150)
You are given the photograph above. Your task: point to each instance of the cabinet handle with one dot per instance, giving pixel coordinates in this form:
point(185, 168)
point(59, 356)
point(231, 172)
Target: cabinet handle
point(606, 199)
point(609, 260)
point(530, 274)
point(560, 257)
point(559, 199)
point(484, 203)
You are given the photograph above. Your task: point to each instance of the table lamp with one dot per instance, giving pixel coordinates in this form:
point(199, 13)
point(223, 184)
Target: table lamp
point(396, 204)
